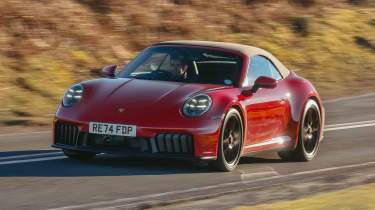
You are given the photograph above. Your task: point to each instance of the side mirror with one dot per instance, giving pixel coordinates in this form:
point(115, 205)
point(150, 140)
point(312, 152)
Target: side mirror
point(264, 82)
point(109, 71)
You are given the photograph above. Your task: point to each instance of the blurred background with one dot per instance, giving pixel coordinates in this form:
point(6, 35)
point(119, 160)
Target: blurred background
point(47, 45)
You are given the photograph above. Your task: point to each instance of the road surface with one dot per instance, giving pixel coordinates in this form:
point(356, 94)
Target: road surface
point(35, 176)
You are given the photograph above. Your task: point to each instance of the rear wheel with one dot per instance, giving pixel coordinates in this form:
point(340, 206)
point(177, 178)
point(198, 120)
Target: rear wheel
point(78, 155)
point(309, 135)
point(230, 142)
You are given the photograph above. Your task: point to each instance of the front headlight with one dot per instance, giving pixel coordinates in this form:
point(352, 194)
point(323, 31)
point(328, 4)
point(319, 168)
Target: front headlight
point(73, 95)
point(197, 105)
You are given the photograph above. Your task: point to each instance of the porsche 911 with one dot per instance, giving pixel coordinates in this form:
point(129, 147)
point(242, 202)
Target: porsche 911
point(195, 100)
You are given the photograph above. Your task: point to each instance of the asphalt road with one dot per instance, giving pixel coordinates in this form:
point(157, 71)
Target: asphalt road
point(35, 176)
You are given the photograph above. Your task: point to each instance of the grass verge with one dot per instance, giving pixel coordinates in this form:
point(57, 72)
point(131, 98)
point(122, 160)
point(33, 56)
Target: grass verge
point(355, 198)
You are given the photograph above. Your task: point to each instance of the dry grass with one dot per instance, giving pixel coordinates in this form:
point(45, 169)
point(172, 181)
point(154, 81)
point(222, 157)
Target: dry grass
point(355, 198)
point(47, 45)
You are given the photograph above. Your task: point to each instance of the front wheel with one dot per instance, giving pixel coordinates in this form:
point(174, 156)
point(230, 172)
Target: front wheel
point(309, 135)
point(78, 154)
point(230, 142)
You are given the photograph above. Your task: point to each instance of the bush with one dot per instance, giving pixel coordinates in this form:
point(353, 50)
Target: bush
point(182, 2)
point(300, 26)
point(357, 2)
point(304, 3)
point(364, 42)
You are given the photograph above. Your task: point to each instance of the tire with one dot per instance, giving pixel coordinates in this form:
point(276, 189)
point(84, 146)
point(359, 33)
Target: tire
point(78, 155)
point(230, 142)
point(308, 135)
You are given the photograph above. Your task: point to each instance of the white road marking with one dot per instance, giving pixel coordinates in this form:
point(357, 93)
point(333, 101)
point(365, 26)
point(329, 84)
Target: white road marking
point(248, 176)
point(112, 204)
point(350, 125)
point(32, 160)
point(31, 155)
point(348, 98)
point(25, 133)
point(332, 168)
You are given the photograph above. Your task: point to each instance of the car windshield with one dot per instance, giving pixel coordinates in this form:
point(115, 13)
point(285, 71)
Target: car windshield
point(185, 64)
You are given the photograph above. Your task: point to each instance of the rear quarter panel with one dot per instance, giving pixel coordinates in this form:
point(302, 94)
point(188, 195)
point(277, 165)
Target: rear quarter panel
point(301, 90)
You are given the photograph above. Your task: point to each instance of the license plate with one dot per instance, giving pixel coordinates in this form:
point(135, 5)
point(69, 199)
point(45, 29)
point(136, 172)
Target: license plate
point(112, 129)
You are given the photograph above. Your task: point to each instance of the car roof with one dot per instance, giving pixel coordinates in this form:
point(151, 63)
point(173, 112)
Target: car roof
point(244, 49)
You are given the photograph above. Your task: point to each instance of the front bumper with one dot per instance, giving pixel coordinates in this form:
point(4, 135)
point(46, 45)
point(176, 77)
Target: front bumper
point(150, 142)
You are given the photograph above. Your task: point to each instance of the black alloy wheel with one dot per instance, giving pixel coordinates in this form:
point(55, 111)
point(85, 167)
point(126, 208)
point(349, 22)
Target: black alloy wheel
point(230, 142)
point(309, 135)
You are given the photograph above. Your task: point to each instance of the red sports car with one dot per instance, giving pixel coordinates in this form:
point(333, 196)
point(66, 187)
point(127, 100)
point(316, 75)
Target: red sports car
point(208, 101)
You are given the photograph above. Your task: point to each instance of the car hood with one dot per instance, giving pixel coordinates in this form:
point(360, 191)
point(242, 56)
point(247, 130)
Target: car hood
point(134, 100)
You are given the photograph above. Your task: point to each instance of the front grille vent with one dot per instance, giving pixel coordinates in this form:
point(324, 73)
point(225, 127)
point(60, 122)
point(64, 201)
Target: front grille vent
point(174, 143)
point(163, 143)
point(66, 134)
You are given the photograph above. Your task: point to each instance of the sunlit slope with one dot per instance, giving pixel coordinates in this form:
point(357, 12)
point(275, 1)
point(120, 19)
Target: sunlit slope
point(45, 46)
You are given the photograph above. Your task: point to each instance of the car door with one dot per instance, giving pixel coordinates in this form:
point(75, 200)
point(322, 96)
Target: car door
point(266, 108)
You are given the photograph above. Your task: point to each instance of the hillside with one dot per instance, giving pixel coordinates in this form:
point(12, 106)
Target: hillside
point(45, 45)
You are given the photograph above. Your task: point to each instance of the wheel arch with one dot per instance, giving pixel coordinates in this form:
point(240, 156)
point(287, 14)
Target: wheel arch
point(237, 106)
point(301, 91)
point(318, 100)
point(239, 109)
point(313, 95)
point(231, 109)
point(244, 124)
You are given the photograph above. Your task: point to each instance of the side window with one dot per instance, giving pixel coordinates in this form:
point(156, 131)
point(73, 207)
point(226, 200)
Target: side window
point(261, 66)
point(152, 62)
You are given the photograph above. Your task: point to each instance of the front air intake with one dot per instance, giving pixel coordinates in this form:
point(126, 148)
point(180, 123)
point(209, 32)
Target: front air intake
point(174, 143)
point(66, 134)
